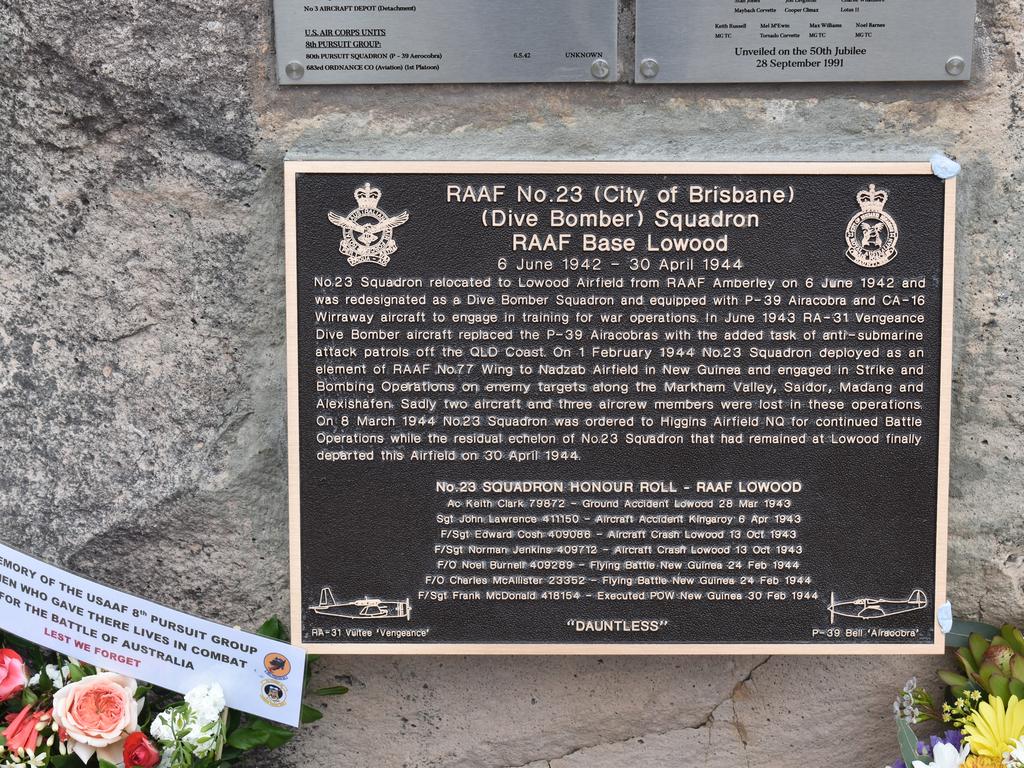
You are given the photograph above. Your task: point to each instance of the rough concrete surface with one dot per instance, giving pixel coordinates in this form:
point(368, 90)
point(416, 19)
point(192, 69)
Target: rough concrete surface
point(142, 419)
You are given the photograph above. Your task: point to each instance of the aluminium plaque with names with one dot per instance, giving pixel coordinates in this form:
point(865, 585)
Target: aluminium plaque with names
point(613, 407)
point(446, 41)
point(738, 41)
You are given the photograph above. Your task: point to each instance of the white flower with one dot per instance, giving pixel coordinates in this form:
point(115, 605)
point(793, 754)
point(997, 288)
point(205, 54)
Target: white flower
point(163, 726)
point(946, 756)
point(196, 723)
point(1015, 757)
point(26, 760)
point(57, 676)
point(206, 701)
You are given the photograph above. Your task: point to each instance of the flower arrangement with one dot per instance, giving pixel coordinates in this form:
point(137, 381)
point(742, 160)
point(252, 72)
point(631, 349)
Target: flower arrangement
point(56, 712)
point(983, 708)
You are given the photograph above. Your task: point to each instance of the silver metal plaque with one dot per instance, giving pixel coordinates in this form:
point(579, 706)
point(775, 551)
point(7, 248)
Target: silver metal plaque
point(767, 41)
point(446, 41)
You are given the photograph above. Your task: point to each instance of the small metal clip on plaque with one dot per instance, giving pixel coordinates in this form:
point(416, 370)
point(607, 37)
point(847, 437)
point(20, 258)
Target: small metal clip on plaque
point(944, 167)
point(945, 617)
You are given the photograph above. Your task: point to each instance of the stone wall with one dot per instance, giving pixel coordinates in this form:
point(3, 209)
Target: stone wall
point(142, 419)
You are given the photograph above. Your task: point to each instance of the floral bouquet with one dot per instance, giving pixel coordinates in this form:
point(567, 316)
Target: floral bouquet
point(56, 712)
point(983, 710)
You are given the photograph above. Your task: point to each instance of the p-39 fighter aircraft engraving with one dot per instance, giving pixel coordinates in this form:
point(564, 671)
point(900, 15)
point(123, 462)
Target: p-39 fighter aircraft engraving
point(876, 607)
point(364, 608)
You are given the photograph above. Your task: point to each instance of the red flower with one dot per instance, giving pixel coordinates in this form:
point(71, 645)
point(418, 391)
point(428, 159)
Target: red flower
point(21, 731)
point(139, 751)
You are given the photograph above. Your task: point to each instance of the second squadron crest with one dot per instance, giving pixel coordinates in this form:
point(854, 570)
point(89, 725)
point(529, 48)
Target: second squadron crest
point(871, 234)
point(369, 232)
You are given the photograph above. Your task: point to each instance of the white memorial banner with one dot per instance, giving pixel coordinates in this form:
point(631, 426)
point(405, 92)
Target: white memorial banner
point(123, 633)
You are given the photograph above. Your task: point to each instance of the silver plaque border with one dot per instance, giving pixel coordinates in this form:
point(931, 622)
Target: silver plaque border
point(934, 34)
point(292, 168)
point(477, 36)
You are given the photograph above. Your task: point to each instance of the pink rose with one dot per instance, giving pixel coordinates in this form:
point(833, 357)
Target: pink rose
point(12, 674)
point(98, 712)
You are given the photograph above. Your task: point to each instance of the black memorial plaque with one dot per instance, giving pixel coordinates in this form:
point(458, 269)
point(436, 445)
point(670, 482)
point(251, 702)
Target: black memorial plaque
point(618, 407)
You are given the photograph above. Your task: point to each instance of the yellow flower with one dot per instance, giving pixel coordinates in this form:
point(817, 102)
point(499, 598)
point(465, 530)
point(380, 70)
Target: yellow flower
point(992, 728)
point(983, 762)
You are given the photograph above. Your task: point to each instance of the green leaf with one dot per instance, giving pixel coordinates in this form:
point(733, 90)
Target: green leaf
point(276, 734)
point(1014, 637)
point(963, 655)
point(76, 672)
point(273, 628)
point(259, 733)
point(952, 678)
point(247, 738)
point(334, 690)
point(1017, 668)
point(309, 714)
point(959, 635)
point(908, 743)
point(987, 672)
point(28, 697)
point(37, 657)
point(978, 645)
point(45, 684)
point(106, 763)
point(1000, 686)
point(1017, 689)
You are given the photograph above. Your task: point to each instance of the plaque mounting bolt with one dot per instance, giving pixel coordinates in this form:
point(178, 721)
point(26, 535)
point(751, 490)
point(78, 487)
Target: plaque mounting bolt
point(955, 66)
point(649, 68)
point(295, 70)
point(600, 69)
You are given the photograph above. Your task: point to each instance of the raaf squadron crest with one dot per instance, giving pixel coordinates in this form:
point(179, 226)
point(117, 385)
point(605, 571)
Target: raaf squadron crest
point(872, 234)
point(369, 232)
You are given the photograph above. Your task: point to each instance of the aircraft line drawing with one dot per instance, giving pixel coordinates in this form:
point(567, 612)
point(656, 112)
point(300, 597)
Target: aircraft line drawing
point(363, 608)
point(869, 608)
